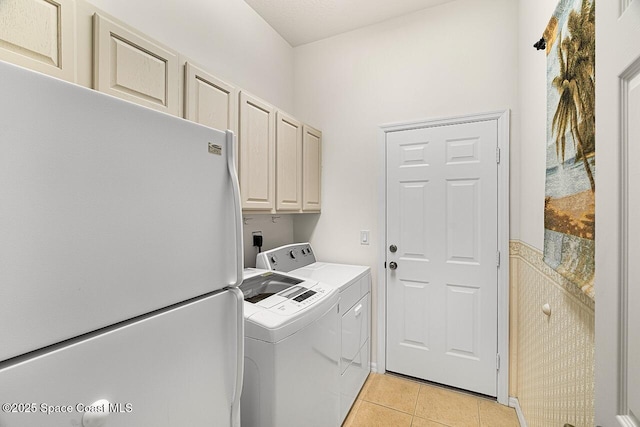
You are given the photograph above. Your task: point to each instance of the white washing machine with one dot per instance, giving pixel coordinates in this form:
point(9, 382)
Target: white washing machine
point(354, 285)
point(291, 351)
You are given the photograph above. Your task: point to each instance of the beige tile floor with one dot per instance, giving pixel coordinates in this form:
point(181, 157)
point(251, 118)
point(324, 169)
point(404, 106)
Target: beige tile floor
point(388, 400)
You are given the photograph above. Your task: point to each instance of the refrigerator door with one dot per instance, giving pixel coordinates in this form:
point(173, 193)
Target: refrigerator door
point(108, 210)
point(177, 368)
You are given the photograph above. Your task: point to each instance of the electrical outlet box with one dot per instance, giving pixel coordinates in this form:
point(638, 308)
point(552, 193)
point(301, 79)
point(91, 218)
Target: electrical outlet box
point(257, 238)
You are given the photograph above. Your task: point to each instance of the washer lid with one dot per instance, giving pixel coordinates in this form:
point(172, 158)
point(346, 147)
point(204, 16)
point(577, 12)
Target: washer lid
point(269, 289)
point(339, 275)
point(292, 312)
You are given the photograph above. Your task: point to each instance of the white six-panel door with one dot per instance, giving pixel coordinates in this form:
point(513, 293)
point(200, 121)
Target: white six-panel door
point(442, 211)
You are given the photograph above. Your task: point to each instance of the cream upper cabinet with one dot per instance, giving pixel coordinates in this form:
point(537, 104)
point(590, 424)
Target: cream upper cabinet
point(129, 65)
point(279, 157)
point(208, 100)
point(311, 169)
point(288, 163)
point(257, 153)
point(39, 34)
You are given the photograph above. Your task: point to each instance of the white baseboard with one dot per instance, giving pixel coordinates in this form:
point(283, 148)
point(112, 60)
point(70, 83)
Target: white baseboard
point(513, 402)
point(374, 368)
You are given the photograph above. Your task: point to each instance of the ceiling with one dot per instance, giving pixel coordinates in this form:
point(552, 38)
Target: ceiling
point(305, 21)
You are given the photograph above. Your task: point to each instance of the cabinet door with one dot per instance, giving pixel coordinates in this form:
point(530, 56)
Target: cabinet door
point(132, 67)
point(288, 163)
point(257, 153)
point(355, 331)
point(38, 34)
point(311, 169)
point(208, 100)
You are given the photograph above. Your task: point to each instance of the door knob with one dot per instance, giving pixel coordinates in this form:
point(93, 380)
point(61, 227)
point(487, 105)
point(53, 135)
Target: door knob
point(393, 265)
point(393, 248)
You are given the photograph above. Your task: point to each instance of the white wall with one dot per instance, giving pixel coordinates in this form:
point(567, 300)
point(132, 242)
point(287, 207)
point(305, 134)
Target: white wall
point(227, 38)
point(451, 59)
point(532, 20)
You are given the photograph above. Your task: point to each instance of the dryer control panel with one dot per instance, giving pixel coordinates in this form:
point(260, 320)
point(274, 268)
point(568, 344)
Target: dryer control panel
point(286, 258)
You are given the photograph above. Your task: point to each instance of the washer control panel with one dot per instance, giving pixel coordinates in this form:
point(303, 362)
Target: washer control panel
point(303, 300)
point(286, 258)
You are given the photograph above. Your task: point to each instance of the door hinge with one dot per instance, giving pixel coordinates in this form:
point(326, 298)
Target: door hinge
point(497, 362)
point(498, 259)
point(497, 154)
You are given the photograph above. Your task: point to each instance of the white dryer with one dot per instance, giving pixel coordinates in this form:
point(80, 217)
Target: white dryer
point(354, 285)
point(291, 351)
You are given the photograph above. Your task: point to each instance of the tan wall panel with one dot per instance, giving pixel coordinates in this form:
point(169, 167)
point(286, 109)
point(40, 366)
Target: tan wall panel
point(553, 355)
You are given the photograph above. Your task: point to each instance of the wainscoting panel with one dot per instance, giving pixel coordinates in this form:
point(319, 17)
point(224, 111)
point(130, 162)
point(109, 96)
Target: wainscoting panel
point(552, 356)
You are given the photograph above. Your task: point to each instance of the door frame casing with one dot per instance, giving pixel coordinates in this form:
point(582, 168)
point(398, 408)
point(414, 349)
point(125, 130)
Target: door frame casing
point(502, 119)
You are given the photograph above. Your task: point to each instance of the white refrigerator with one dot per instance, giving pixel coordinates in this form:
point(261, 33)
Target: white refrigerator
point(120, 257)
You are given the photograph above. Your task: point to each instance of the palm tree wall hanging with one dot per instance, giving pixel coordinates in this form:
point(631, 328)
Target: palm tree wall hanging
point(569, 207)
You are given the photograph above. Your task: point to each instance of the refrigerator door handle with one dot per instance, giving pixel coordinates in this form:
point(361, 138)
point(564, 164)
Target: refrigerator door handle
point(237, 392)
point(231, 163)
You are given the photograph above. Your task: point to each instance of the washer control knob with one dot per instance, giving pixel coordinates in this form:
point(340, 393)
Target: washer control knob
point(274, 259)
point(292, 254)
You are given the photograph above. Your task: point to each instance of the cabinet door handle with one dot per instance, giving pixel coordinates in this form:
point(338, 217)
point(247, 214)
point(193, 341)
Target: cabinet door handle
point(358, 310)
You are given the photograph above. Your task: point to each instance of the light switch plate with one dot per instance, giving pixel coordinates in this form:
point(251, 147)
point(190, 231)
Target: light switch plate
point(364, 237)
